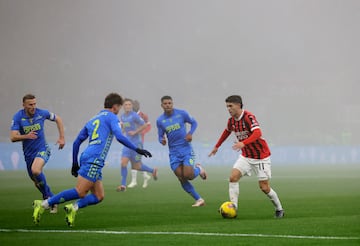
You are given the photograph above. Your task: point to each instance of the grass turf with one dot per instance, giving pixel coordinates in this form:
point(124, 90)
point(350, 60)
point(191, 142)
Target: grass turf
point(320, 201)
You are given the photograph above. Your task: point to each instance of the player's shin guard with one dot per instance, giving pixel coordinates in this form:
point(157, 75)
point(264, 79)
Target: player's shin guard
point(234, 192)
point(275, 199)
point(63, 196)
point(90, 199)
point(189, 188)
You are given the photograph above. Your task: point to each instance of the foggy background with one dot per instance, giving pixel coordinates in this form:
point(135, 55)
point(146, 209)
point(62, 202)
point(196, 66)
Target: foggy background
point(295, 63)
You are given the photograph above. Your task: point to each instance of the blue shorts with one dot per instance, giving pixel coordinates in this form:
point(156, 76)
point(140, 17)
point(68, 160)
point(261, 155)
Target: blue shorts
point(183, 156)
point(132, 154)
point(43, 154)
point(91, 171)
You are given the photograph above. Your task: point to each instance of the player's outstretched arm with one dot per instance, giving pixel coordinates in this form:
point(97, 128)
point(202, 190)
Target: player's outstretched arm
point(60, 126)
point(143, 152)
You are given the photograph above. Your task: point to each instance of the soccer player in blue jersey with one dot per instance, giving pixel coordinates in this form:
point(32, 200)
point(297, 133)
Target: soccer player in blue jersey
point(28, 126)
point(100, 131)
point(172, 123)
point(132, 125)
point(146, 177)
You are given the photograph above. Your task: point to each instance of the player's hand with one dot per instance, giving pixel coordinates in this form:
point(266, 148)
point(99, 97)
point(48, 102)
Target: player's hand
point(143, 152)
point(74, 169)
point(131, 133)
point(188, 137)
point(163, 141)
point(61, 143)
point(238, 146)
point(213, 152)
point(32, 135)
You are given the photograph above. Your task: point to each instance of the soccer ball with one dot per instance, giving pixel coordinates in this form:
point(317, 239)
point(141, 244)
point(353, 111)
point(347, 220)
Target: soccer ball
point(228, 210)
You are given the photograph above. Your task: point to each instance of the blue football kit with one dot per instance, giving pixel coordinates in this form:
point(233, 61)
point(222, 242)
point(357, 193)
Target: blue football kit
point(34, 148)
point(180, 150)
point(131, 121)
point(174, 126)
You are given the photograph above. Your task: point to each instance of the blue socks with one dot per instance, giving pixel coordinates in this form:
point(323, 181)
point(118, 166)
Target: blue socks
point(189, 188)
point(124, 173)
point(90, 199)
point(196, 171)
point(63, 196)
point(145, 168)
point(42, 186)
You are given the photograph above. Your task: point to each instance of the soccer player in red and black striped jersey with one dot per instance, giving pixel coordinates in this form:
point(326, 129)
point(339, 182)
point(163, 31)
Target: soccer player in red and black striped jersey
point(255, 157)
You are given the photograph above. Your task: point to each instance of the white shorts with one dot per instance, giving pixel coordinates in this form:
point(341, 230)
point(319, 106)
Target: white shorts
point(262, 167)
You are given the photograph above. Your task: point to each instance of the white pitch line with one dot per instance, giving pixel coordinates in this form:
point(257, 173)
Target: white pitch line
point(181, 233)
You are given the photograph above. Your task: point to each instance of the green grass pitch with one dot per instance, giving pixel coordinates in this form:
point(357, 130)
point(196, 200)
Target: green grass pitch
point(322, 206)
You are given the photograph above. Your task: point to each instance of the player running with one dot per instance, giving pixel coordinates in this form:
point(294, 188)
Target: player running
point(182, 160)
point(100, 130)
point(255, 152)
point(132, 125)
point(133, 183)
point(28, 126)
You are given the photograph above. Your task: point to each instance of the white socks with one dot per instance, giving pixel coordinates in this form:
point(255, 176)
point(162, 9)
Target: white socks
point(234, 192)
point(133, 176)
point(275, 199)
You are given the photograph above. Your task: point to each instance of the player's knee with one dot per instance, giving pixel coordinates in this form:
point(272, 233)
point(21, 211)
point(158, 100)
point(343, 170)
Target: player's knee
point(100, 197)
point(264, 188)
point(35, 171)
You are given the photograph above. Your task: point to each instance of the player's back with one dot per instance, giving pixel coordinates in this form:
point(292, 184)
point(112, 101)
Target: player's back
point(100, 133)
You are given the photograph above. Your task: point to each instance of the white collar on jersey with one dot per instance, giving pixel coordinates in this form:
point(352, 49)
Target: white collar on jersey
point(242, 114)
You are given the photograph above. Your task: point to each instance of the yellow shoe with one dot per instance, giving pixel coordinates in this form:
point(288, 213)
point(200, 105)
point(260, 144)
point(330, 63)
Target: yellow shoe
point(38, 211)
point(70, 214)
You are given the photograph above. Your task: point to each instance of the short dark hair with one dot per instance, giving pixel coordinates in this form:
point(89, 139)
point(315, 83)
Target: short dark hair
point(166, 98)
point(234, 99)
point(28, 97)
point(112, 99)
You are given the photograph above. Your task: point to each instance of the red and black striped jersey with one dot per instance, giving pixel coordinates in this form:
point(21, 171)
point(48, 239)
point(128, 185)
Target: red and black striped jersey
point(243, 128)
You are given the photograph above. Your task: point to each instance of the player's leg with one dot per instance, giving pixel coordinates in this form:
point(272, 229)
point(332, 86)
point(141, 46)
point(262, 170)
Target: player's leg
point(185, 172)
point(146, 177)
point(263, 171)
point(137, 164)
point(124, 172)
point(240, 168)
point(39, 177)
point(133, 181)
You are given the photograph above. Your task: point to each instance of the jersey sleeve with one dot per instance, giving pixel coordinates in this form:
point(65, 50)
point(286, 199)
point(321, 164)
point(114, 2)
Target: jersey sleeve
point(47, 114)
point(76, 145)
point(251, 119)
point(191, 120)
point(15, 123)
point(160, 130)
point(139, 120)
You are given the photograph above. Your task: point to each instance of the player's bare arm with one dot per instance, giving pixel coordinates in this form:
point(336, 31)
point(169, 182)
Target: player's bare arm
point(15, 136)
point(60, 126)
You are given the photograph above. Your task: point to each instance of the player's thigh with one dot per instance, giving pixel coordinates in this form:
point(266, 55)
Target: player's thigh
point(189, 164)
point(98, 190)
point(83, 186)
point(240, 168)
point(37, 165)
point(262, 168)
